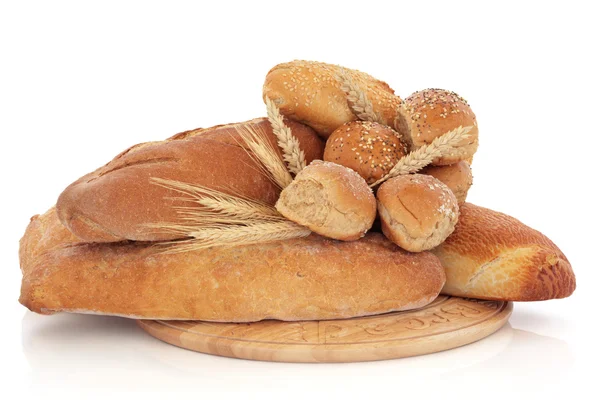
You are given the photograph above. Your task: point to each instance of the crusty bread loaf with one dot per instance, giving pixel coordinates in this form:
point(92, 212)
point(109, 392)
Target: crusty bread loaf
point(369, 148)
point(309, 92)
point(331, 200)
point(457, 177)
point(118, 200)
point(493, 256)
point(299, 279)
point(430, 113)
point(417, 212)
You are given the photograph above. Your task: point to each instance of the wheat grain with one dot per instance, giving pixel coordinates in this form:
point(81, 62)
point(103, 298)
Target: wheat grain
point(423, 156)
point(260, 149)
point(288, 143)
point(357, 99)
point(215, 201)
point(238, 235)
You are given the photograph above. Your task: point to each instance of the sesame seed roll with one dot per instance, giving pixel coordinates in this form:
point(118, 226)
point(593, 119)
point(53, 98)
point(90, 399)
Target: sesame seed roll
point(430, 113)
point(369, 148)
point(309, 92)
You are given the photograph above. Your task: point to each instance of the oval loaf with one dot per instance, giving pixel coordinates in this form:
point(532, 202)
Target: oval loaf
point(312, 278)
point(117, 201)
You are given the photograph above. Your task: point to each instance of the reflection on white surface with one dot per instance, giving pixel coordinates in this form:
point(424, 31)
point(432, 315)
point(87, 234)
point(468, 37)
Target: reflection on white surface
point(96, 351)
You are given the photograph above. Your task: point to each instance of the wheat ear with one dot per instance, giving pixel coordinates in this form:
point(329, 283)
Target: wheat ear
point(288, 143)
point(441, 146)
point(357, 99)
point(217, 206)
point(260, 148)
point(227, 236)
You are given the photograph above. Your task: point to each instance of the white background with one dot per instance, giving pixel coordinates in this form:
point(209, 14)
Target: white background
point(79, 83)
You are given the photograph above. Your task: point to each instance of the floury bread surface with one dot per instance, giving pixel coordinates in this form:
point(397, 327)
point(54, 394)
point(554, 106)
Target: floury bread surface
point(118, 201)
point(493, 256)
point(331, 200)
point(301, 279)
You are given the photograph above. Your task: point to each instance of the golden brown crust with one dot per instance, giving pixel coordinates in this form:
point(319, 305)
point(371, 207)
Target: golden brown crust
point(457, 177)
point(369, 148)
point(118, 200)
point(300, 279)
point(417, 212)
point(309, 92)
point(331, 200)
point(491, 255)
point(430, 113)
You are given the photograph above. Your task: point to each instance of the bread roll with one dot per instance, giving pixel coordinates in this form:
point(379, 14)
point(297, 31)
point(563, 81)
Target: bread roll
point(331, 200)
point(118, 200)
point(302, 279)
point(417, 212)
point(430, 113)
point(493, 256)
point(369, 148)
point(457, 177)
point(309, 92)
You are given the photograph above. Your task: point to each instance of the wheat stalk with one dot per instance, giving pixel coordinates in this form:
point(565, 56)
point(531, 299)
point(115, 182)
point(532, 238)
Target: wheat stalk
point(218, 235)
point(217, 205)
point(357, 99)
point(288, 143)
point(219, 219)
point(261, 149)
point(423, 156)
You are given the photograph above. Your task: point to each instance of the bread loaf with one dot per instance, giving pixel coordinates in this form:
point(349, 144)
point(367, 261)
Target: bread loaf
point(118, 200)
point(310, 92)
point(430, 113)
point(417, 212)
point(331, 200)
point(299, 279)
point(457, 177)
point(369, 148)
point(493, 256)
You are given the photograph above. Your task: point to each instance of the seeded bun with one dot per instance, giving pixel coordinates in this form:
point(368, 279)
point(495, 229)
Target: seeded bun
point(331, 200)
point(430, 113)
point(369, 148)
point(309, 92)
point(457, 177)
point(418, 212)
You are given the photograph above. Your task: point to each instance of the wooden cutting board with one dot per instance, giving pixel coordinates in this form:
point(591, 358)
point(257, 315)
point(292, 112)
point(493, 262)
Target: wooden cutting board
point(446, 323)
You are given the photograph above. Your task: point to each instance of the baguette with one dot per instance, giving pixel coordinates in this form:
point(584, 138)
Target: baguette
point(493, 256)
point(299, 279)
point(117, 201)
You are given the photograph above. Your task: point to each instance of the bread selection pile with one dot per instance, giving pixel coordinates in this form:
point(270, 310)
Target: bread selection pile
point(345, 201)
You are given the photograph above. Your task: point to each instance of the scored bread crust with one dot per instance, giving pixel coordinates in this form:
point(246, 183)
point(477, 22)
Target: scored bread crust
point(311, 278)
point(493, 256)
point(309, 92)
point(118, 201)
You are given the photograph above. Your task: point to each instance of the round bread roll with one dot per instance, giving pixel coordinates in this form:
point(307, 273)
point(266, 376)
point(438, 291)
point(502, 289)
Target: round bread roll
point(369, 148)
point(331, 200)
point(457, 177)
point(430, 113)
point(418, 212)
point(310, 92)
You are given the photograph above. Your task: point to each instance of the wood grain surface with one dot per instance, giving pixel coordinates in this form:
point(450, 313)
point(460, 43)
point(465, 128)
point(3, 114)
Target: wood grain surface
point(446, 323)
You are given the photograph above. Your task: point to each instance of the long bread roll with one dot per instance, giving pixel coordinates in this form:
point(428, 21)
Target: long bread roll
point(299, 279)
point(118, 200)
point(493, 256)
point(310, 92)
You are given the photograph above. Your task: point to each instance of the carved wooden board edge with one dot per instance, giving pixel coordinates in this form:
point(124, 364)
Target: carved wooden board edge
point(446, 323)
